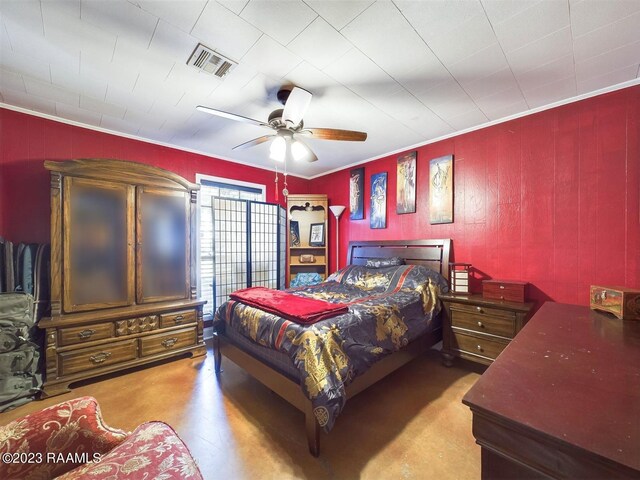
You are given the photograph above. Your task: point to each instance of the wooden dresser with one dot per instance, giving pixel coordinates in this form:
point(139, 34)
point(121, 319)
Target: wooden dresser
point(123, 281)
point(563, 401)
point(479, 329)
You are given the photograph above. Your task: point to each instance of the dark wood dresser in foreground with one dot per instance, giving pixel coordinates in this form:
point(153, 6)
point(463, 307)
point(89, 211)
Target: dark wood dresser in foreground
point(563, 400)
point(477, 328)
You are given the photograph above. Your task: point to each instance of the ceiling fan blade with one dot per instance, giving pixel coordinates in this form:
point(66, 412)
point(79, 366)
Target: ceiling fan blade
point(232, 116)
point(254, 142)
point(335, 134)
point(296, 106)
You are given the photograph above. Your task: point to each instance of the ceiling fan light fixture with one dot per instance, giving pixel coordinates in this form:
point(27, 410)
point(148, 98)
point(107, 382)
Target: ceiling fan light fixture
point(288, 122)
point(278, 149)
point(299, 151)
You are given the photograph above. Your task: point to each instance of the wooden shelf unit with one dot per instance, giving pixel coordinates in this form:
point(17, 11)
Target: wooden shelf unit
point(307, 209)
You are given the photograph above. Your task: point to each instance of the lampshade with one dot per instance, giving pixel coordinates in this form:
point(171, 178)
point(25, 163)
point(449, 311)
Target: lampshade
point(278, 149)
point(285, 148)
point(337, 210)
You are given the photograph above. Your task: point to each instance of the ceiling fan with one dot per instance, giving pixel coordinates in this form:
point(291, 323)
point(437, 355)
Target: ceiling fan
point(289, 127)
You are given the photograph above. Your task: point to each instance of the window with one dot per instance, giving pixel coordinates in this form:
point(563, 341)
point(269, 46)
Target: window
point(216, 187)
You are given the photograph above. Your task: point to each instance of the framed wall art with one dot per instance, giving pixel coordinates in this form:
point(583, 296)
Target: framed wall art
point(379, 200)
point(316, 235)
point(356, 194)
point(406, 183)
point(441, 190)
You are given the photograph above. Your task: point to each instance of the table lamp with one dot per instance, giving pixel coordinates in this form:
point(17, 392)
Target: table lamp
point(337, 211)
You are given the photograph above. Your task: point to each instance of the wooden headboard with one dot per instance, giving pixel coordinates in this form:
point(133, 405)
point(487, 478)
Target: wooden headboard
point(433, 254)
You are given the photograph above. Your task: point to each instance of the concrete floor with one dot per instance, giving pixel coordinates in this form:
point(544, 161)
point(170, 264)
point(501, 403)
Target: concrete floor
point(410, 425)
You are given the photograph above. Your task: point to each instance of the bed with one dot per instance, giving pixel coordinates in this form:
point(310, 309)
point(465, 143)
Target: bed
point(393, 316)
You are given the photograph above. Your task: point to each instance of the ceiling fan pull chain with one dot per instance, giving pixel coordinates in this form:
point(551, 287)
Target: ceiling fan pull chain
point(285, 190)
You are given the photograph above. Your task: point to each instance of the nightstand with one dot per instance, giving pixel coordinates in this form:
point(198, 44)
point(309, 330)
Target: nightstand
point(477, 328)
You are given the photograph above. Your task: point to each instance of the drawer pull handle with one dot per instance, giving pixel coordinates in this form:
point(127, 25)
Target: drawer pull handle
point(480, 324)
point(86, 333)
point(179, 319)
point(501, 287)
point(99, 357)
point(169, 342)
point(479, 309)
point(479, 348)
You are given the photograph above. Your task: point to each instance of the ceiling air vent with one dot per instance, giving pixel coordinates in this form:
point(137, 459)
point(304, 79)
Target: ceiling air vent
point(210, 62)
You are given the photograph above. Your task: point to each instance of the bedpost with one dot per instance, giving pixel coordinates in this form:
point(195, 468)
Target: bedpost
point(313, 429)
point(217, 356)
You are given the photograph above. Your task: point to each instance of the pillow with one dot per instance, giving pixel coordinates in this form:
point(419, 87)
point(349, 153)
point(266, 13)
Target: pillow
point(420, 275)
point(388, 278)
point(369, 279)
point(384, 262)
point(153, 450)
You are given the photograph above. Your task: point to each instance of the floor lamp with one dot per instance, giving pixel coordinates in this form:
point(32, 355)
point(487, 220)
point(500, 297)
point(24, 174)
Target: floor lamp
point(337, 211)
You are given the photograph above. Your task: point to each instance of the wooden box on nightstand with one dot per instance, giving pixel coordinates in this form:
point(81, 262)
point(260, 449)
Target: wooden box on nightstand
point(477, 328)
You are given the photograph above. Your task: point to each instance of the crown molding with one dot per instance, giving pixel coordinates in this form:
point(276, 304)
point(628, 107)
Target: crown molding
point(584, 96)
point(95, 128)
point(533, 111)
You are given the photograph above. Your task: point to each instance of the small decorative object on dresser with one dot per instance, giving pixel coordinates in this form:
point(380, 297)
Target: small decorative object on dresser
point(478, 328)
point(459, 277)
point(510, 290)
point(622, 302)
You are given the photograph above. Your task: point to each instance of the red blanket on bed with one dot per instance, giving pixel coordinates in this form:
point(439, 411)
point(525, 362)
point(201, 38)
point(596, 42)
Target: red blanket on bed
point(287, 305)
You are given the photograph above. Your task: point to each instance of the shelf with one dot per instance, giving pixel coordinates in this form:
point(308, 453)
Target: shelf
point(316, 213)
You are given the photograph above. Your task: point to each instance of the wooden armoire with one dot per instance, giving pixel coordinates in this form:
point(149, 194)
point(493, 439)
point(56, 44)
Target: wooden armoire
point(123, 277)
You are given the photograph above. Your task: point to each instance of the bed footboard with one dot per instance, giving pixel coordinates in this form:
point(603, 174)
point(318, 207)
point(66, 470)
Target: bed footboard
point(272, 379)
point(291, 390)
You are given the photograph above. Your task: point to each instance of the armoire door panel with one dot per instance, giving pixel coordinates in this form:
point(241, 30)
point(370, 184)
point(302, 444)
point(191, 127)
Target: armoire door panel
point(98, 233)
point(163, 253)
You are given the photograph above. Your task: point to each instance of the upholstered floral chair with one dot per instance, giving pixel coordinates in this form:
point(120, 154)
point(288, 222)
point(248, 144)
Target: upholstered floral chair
point(70, 441)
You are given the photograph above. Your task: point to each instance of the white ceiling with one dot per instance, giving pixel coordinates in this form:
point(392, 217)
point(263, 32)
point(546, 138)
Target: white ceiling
point(405, 71)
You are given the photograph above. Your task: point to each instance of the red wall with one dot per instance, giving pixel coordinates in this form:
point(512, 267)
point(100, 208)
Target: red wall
point(551, 198)
point(26, 141)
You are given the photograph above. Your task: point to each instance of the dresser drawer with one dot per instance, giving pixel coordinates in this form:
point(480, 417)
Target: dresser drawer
point(87, 333)
point(164, 342)
point(177, 318)
point(479, 309)
point(479, 322)
point(96, 357)
point(477, 345)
